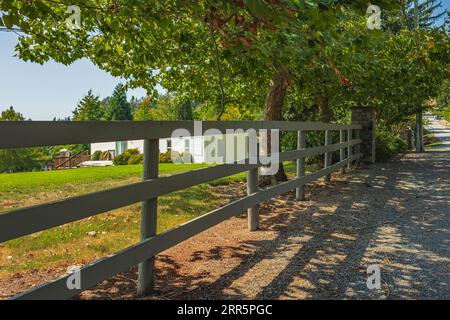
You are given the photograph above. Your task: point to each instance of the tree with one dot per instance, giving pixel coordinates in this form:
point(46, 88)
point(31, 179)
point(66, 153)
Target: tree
point(209, 44)
point(186, 110)
point(443, 99)
point(119, 108)
point(245, 53)
point(89, 109)
point(134, 103)
point(429, 13)
point(11, 115)
point(157, 108)
point(13, 160)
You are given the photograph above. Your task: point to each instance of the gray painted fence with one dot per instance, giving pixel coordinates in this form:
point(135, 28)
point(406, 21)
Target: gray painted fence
point(21, 222)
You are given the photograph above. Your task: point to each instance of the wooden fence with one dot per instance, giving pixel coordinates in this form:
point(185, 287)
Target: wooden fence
point(25, 221)
point(72, 161)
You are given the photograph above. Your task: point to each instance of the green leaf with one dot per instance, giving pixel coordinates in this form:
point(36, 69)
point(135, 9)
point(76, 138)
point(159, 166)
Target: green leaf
point(258, 7)
point(10, 21)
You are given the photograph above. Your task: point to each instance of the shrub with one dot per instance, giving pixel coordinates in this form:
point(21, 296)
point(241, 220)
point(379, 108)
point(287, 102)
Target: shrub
point(136, 159)
point(123, 158)
point(388, 145)
point(131, 152)
point(96, 156)
point(165, 157)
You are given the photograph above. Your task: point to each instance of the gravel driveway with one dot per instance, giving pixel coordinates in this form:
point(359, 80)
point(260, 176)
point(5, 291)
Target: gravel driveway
point(441, 130)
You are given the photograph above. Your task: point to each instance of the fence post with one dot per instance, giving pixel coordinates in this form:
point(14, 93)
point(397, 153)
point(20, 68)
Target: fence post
point(252, 182)
point(149, 213)
point(328, 155)
point(342, 151)
point(253, 212)
point(301, 144)
point(349, 148)
point(358, 147)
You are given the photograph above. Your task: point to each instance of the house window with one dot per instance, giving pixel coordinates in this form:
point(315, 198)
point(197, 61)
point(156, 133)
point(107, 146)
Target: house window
point(187, 145)
point(169, 145)
point(121, 146)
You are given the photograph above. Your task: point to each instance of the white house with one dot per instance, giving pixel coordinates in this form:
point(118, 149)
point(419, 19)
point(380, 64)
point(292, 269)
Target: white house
point(203, 149)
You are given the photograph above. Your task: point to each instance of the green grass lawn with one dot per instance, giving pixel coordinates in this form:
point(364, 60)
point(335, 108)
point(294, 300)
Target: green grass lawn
point(53, 180)
point(95, 237)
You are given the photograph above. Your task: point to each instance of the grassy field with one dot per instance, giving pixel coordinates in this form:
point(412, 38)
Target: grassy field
point(95, 237)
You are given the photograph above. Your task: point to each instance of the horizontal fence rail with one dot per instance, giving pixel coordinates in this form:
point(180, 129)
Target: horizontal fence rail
point(24, 221)
point(51, 133)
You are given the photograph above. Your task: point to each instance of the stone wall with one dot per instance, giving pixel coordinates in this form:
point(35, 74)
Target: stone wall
point(365, 116)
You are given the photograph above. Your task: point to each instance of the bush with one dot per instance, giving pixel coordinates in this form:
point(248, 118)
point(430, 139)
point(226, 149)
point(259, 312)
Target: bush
point(131, 152)
point(122, 159)
point(136, 159)
point(96, 156)
point(388, 146)
point(166, 157)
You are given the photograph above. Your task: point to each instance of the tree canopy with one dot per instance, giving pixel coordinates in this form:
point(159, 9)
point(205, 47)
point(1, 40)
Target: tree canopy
point(248, 59)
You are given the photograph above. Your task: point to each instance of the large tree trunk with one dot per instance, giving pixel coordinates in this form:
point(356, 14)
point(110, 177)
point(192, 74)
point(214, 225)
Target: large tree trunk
point(276, 94)
point(324, 108)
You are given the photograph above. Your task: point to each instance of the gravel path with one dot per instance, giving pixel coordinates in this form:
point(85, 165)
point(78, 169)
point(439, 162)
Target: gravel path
point(441, 130)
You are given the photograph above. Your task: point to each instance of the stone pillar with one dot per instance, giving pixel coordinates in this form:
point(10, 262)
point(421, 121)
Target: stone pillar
point(365, 116)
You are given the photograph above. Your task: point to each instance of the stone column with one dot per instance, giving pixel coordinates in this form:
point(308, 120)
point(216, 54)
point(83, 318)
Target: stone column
point(365, 116)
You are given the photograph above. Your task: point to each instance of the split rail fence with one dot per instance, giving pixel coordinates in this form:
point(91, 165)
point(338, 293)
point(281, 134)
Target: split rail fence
point(25, 221)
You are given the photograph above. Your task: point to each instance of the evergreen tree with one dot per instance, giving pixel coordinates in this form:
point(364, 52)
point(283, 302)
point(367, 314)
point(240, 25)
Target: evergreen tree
point(430, 11)
point(119, 107)
point(89, 109)
point(135, 103)
point(185, 110)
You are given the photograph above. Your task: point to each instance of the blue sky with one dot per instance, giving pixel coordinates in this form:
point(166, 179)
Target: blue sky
point(53, 90)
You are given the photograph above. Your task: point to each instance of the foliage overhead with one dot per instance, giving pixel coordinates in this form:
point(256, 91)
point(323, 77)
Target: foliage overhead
point(220, 57)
